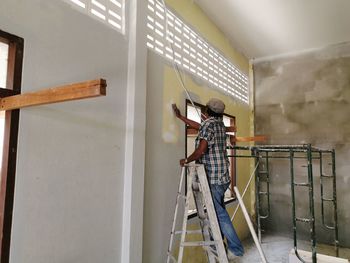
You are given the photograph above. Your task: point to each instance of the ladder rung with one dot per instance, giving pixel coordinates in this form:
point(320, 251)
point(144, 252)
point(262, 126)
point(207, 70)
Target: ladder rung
point(263, 193)
point(304, 220)
point(327, 175)
point(172, 257)
point(263, 217)
point(181, 195)
point(328, 199)
point(189, 232)
point(329, 227)
point(263, 172)
point(301, 184)
point(198, 243)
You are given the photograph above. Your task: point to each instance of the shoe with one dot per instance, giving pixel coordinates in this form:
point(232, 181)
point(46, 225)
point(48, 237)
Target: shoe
point(230, 256)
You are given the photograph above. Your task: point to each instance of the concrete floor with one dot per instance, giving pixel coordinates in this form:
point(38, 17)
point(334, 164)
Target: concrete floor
point(277, 248)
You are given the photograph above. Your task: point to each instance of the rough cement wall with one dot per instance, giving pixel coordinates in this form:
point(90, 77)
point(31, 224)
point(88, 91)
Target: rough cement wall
point(305, 99)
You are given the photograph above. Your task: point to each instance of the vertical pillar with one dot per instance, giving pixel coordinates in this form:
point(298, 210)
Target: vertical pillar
point(132, 228)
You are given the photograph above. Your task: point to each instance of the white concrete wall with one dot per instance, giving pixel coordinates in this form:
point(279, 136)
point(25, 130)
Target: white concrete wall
point(69, 189)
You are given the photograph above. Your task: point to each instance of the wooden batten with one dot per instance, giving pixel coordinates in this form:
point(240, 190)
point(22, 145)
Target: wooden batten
point(76, 91)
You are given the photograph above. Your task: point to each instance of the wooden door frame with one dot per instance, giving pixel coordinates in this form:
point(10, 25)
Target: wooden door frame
point(8, 173)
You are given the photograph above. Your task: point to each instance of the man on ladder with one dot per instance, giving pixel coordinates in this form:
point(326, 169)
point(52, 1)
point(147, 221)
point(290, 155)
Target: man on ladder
point(211, 152)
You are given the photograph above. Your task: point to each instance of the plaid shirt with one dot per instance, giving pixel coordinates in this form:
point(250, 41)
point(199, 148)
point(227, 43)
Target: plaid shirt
point(215, 159)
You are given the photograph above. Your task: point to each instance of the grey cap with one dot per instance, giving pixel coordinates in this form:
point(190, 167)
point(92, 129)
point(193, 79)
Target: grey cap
point(216, 105)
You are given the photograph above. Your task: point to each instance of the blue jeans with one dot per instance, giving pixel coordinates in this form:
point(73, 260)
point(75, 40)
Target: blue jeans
point(226, 227)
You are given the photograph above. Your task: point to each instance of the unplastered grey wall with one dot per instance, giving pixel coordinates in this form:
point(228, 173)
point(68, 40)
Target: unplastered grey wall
point(306, 99)
point(69, 188)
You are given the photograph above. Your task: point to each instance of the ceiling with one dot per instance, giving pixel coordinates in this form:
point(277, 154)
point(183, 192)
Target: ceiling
point(267, 28)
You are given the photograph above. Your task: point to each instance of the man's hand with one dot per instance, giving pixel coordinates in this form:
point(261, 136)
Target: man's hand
point(182, 162)
point(176, 111)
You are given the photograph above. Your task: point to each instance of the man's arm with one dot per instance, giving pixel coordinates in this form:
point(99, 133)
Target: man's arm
point(201, 149)
point(192, 124)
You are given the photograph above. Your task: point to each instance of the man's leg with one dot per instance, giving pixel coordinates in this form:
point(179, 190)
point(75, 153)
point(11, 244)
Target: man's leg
point(226, 227)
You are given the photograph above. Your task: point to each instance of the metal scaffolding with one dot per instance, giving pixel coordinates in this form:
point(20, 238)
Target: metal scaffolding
point(263, 154)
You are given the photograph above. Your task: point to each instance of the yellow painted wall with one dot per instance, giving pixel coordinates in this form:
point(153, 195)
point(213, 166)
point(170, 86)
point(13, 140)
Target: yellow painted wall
point(174, 93)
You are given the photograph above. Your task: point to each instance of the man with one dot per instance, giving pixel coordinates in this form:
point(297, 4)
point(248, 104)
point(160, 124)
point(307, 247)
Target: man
point(210, 151)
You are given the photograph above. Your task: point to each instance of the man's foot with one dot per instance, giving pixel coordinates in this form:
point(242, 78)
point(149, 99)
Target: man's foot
point(231, 257)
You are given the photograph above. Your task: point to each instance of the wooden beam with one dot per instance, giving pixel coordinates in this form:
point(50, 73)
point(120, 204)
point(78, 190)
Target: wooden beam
point(82, 90)
point(250, 139)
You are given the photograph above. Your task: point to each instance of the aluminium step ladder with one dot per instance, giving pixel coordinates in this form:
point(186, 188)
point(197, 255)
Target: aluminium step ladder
point(212, 242)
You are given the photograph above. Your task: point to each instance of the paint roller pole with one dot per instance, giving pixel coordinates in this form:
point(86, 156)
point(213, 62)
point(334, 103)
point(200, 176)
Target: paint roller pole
point(250, 225)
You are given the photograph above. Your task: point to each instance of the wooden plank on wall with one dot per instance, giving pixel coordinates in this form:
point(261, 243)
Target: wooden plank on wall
point(82, 90)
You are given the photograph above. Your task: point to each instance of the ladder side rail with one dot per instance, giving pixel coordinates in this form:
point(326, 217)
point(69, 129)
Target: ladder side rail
point(214, 224)
point(257, 195)
point(202, 216)
point(184, 222)
point(311, 204)
point(322, 191)
point(268, 183)
point(295, 241)
point(336, 243)
point(172, 234)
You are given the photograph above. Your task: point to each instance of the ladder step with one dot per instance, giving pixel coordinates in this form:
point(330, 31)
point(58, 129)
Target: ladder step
point(188, 232)
point(263, 172)
point(301, 184)
point(329, 227)
point(179, 195)
point(263, 193)
point(198, 243)
point(327, 175)
point(263, 217)
point(304, 220)
point(328, 199)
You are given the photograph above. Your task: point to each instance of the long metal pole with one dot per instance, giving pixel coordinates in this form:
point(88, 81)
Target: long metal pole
point(257, 195)
point(250, 225)
point(311, 204)
point(335, 204)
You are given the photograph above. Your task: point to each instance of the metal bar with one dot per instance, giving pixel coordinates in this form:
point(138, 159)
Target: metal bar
point(170, 247)
point(198, 243)
point(257, 190)
point(189, 232)
point(336, 243)
point(291, 163)
point(311, 205)
point(268, 183)
point(184, 222)
point(250, 225)
point(301, 184)
point(271, 157)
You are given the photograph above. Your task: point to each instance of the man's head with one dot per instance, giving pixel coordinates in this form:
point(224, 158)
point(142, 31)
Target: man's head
point(215, 107)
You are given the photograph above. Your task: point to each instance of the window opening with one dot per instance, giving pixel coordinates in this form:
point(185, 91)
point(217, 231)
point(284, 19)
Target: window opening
point(191, 52)
point(109, 12)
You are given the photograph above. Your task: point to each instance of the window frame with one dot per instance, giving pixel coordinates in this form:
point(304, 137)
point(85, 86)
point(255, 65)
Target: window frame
point(8, 170)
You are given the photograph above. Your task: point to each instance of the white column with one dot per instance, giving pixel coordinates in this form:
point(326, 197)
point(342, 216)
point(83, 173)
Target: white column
point(135, 133)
